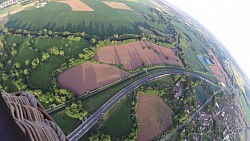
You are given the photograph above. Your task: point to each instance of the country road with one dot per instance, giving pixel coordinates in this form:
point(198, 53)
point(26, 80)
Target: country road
point(92, 120)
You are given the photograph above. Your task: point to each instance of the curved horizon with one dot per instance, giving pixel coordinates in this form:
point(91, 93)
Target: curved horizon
point(228, 21)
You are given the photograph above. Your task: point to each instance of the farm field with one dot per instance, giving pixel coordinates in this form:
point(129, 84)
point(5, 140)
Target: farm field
point(97, 22)
point(136, 54)
point(155, 117)
point(89, 76)
point(117, 5)
point(216, 69)
point(245, 106)
point(77, 5)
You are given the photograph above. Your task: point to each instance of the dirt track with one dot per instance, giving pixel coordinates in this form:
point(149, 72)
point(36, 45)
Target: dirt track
point(135, 54)
point(155, 117)
point(77, 5)
point(89, 76)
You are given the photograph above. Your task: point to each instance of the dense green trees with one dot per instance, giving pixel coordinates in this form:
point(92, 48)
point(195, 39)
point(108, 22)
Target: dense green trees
point(99, 137)
point(76, 110)
point(35, 62)
point(45, 56)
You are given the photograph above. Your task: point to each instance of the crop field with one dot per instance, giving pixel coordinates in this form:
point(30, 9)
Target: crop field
point(245, 106)
point(117, 5)
point(135, 54)
point(89, 76)
point(155, 117)
point(57, 16)
point(217, 70)
point(77, 5)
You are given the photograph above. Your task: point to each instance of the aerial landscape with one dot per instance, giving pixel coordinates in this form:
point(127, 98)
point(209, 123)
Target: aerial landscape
point(119, 70)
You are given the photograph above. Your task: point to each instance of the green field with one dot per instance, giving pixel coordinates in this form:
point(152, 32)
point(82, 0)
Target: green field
point(10, 8)
point(29, 48)
point(118, 122)
point(41, 77)
point(103, 21)
point(201, 95)
point(190, 52)
point(245, 106)
point(66, 123)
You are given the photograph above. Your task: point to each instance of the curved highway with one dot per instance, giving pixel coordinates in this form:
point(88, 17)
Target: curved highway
point(92, 120)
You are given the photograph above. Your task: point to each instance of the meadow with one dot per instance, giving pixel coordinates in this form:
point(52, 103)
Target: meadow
point(29, 48)
point(102, 21)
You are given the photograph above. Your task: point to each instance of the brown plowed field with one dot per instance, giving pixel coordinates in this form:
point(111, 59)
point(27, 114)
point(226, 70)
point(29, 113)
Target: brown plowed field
point(117, 5)
point(216, 70)
point(89, 76)
point(155, 117)
point(135, 54)
point(77, 5)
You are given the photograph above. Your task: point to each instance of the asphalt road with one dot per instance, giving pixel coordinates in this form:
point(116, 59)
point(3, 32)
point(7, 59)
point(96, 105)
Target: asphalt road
point(92, 120)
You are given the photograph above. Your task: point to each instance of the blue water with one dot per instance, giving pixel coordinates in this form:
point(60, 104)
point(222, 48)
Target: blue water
point(209, 62)
point(204, 61)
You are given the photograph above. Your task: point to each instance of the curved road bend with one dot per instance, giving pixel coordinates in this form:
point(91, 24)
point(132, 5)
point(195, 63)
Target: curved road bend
point(92, 120)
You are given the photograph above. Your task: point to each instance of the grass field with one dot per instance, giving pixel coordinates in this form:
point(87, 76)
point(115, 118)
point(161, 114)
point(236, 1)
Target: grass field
point(103, 21)
point(41, 77)
point(191, 51)
point(118, 122)
point(245, 106)
point(29, 48)
point(8, 9)
point(201, 95)
point(66, 123)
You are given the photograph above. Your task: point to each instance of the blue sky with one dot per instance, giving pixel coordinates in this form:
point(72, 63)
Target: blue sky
point(228, 20)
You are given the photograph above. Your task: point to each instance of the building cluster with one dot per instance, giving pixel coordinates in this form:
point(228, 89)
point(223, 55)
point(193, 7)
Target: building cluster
point(222, 123)
point(11, 2)
point(227, 67)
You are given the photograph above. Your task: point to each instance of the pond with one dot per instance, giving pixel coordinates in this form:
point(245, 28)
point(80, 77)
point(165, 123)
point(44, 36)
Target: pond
point(204, 61)
point(209, 62)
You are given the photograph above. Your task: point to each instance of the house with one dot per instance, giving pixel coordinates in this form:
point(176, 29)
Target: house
point(11, 2)
point(178, 90)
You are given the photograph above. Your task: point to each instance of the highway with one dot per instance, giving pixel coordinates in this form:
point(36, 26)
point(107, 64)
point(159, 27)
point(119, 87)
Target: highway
point(92, 120)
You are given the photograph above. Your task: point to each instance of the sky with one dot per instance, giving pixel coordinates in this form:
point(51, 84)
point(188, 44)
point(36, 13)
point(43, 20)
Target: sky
point(228, 20)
